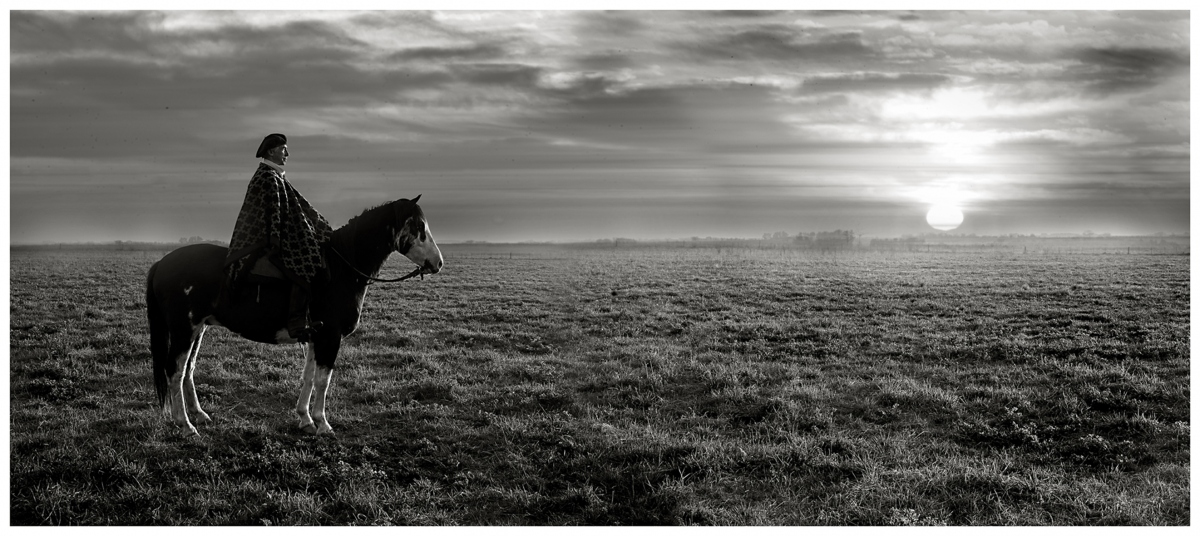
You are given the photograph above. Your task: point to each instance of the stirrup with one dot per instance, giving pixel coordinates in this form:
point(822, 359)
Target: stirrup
point(304, 334)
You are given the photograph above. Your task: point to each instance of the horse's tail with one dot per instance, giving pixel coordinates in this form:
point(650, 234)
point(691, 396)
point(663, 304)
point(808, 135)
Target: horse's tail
point(159, 337)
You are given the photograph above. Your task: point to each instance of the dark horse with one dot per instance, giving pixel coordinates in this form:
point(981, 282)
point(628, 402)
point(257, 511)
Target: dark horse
point(184, 287)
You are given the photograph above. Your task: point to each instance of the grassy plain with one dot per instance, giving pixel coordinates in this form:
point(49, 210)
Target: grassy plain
point(674, 386)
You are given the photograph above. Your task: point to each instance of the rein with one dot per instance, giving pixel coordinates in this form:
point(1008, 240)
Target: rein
point(370, 279)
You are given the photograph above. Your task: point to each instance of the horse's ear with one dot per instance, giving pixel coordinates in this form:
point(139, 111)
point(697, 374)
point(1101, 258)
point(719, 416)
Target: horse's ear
point(417, 198)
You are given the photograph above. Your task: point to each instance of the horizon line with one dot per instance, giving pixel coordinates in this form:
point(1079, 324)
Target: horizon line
point(1159, 234)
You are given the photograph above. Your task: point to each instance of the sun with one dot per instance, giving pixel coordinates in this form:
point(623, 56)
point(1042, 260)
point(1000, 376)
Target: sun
point(944, 217)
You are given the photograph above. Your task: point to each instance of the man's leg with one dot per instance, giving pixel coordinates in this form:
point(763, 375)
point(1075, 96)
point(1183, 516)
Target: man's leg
point(297, 324)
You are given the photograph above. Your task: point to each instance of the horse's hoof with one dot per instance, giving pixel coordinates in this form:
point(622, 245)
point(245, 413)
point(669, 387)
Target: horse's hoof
point(308, 429)
point(325, 431)
point(189, 431)
point(202, 418)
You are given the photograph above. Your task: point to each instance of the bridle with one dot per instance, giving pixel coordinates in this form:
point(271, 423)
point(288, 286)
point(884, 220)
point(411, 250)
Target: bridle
point(419, 271)
point(371, 279)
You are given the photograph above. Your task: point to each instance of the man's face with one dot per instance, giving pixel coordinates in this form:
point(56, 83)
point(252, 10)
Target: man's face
point(278, 155)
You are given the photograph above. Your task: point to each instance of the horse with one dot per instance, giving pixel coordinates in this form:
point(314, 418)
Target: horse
point(184, 298)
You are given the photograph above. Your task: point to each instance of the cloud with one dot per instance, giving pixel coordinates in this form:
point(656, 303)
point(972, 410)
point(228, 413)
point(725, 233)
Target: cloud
point(594, 107)
point(692, 123)
point(139, 37)
point(780, 42)
point(873, 82)
point(1074, 136)
point(744, 14)
point(609, 24)
point(120, 60)
point(497, 74)
point(605, 61)
point(471, 52)
point(35, 35)
point(114, 85)
point(1108, 70)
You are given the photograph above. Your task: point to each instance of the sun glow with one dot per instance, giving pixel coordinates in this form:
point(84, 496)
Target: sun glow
point(944, 217)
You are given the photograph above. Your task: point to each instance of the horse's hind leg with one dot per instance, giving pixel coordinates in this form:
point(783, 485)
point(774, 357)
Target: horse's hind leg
point(182, 339)
point(189, 384)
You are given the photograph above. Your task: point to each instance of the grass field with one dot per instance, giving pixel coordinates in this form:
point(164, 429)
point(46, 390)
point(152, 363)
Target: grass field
point(632, 387)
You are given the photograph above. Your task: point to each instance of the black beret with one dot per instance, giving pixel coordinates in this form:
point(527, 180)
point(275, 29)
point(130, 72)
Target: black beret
point(270, 142)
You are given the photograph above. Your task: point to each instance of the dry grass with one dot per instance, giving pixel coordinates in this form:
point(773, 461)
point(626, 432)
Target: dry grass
point(646, 387)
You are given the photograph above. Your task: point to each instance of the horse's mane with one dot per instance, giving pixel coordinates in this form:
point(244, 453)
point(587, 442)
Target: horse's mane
point(370, 216)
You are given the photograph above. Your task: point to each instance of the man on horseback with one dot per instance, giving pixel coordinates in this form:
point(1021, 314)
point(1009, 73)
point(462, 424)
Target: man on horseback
point(277, 223)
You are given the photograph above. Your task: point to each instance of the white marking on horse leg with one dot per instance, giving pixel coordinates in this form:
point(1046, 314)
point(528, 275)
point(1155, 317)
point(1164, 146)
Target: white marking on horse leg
point(175, 395)
point(323, 376)
point(306, 388)
point(189, 384)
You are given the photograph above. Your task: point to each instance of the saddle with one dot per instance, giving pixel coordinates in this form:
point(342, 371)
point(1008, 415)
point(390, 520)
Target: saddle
point(264, 268)
point(263, 272)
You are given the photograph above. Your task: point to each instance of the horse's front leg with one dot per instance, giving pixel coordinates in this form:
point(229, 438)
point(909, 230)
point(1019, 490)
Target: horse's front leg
point(325, 352)
point(306, 388)
point(324, 374)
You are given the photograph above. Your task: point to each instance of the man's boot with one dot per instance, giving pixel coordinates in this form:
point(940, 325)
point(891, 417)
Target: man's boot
point(297, 324)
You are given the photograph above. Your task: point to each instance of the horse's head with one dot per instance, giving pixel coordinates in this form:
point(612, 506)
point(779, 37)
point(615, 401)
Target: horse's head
point(414, 239)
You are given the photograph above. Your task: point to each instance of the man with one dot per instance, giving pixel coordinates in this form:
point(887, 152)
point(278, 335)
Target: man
point(277, 222)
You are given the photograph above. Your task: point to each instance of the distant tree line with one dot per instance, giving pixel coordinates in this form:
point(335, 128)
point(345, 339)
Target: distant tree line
point(825, 240)
point(848, 241)
point(117, 245)
point(819, 240)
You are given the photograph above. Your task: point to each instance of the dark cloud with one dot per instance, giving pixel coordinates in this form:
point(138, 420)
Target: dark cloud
point(609, 24)
point(1108, 70)
point(472, 52)
point(497, 74)
point(390, 20)
point(615, 118)
point(780, 42)
point(744, 14)
point(682, 126)
point(112, 108)
point(42, 32)
point(1134, 60)
point(1112, 184)
point(135, 37)
point(116, 60)
point(213, 84)
point(826, 13)
point(109, 87)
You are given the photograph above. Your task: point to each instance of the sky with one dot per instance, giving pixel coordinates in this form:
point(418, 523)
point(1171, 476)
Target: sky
point(585, 125)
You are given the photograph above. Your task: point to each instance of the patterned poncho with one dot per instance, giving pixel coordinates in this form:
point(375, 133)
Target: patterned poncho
point(274, 214)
